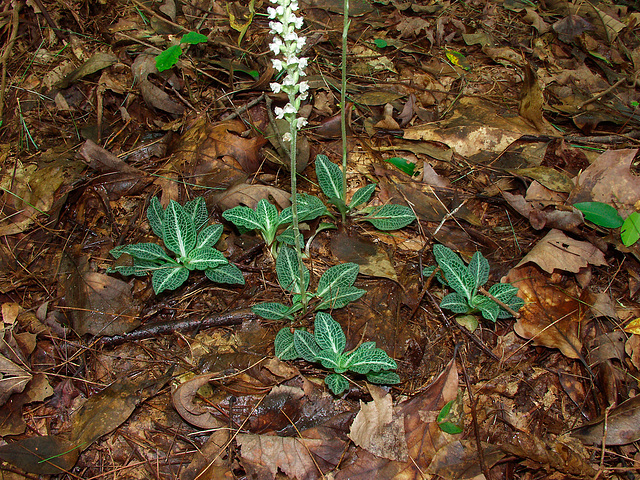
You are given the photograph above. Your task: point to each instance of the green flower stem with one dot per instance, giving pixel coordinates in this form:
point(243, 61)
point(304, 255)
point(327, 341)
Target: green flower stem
point(343, 101)
point(293, 150)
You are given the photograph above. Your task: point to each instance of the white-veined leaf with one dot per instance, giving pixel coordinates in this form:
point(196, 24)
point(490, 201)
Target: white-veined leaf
point(330, 178)
point(489, 309)
point(335, 278)
point(391, 217)
point(155, 215)
point(271, 310)
point(306, 346)
point(209, 235)
point(336, 383)
point(179, 233)
point(328, 333)
point(503, 291)
point(204, 258)
point(479, 269)
point(283, 344)
point(383, 377)
point(515, 303)
point(330, 359)
point(288, 271)
point(456, 303)
point(140, 268)
point(243, 217)
point(309, 208)
point(341, 298)
point(226, 273)
point(143, 251)
point(268, 216)
point(457, 275)
point(362, 196)
point(168, 278)
point(369, 360)
point(197, 211)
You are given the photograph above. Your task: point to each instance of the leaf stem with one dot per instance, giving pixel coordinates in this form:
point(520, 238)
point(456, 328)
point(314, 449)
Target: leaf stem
point(343, 105)
point(293, 129)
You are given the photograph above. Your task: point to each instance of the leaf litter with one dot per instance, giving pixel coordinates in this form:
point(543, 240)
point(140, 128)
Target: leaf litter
point(507, 112)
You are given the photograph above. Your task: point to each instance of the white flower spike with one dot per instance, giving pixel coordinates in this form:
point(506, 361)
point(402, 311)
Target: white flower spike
point(288, 45)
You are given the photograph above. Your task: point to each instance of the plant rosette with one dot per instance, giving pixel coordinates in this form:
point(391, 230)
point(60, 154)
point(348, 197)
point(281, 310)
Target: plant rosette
point(326, 346)
point(387, 217)
point(467, 280)
point(185, 232)
point(335, 287)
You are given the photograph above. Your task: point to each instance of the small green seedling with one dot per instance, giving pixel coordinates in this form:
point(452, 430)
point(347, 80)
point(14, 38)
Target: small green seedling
point(450, 419)
point(335, 287)
point(387, 217)
point(604, 215)
point(467, 280)
point(185, 232)
point(169, 57)
point(326, 346)
point(266, 219)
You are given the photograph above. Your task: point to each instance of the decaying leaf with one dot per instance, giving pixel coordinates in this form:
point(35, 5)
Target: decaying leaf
point(459, 460)
point(609, 180)
point(553, 312)
point(557, 251)
point(249, 195)
point(378, 429)
point(298, 457)
point(143, 66)
point(541, 217)
point(423, 436)
point(622, 422)
point(45, 455)
point(100, 304)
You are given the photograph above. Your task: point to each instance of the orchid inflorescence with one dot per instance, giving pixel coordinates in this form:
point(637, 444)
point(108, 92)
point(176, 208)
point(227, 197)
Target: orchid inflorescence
point(288, 44)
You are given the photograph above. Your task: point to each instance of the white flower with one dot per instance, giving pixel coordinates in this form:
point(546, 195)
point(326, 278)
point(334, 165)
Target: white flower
point(298, 21)
point(276, 45)
point(291, 37)
point(277, 64)
point(304, 87)
point(301, 122)
point(275, 87)
point(276, 27)
point(272, 12)
point(288, 109)
point(279, 112)
point(286, 137)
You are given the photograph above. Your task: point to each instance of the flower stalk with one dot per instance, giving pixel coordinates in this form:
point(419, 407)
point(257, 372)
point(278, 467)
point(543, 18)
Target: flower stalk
point(287, 45)
point(343, 98)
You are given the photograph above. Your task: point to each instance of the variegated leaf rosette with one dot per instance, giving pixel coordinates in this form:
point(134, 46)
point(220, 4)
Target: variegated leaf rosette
point(287, 45)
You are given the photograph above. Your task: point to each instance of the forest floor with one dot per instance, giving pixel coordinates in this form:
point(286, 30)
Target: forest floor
point(489, 119)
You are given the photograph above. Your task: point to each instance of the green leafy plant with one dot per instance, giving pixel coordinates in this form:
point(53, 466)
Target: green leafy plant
point(335, 287)
point(266, 219)
point(450, 418)
point(387, 217)
point(467, 281)
point(185, 232)
point(169, 57)
point(326, 346)
point(604, 215)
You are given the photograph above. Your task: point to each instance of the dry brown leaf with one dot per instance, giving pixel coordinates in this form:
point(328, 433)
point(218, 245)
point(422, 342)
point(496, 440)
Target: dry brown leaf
point(562, 453)
point(423, 436)
point(196, 414)
point(557, 251)
point(623, 425)
point(378, 429)
point(249, 196)
point(143, 66)
point(475, 128)
point(609, 180)
point(539, 217)
point(99, 304)
point(553, 312)
point(459, 460)
point(29, 454)
point(297, 457)
point(532, 100)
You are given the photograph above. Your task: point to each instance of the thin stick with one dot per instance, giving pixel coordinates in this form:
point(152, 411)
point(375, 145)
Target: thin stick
point(499, 302)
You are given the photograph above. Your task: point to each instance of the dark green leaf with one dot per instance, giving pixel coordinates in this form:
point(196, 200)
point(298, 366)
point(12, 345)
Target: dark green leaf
point(155, 215)
point(362, 196)
point(328, 333)
point(168, 58)
point(197, 211)
point(383, 377)
point(226, 273)
point(330, 178)
point(271, 310)
point(193, 38)
point(602, 214)
point(168, 278)
point(402, 164)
